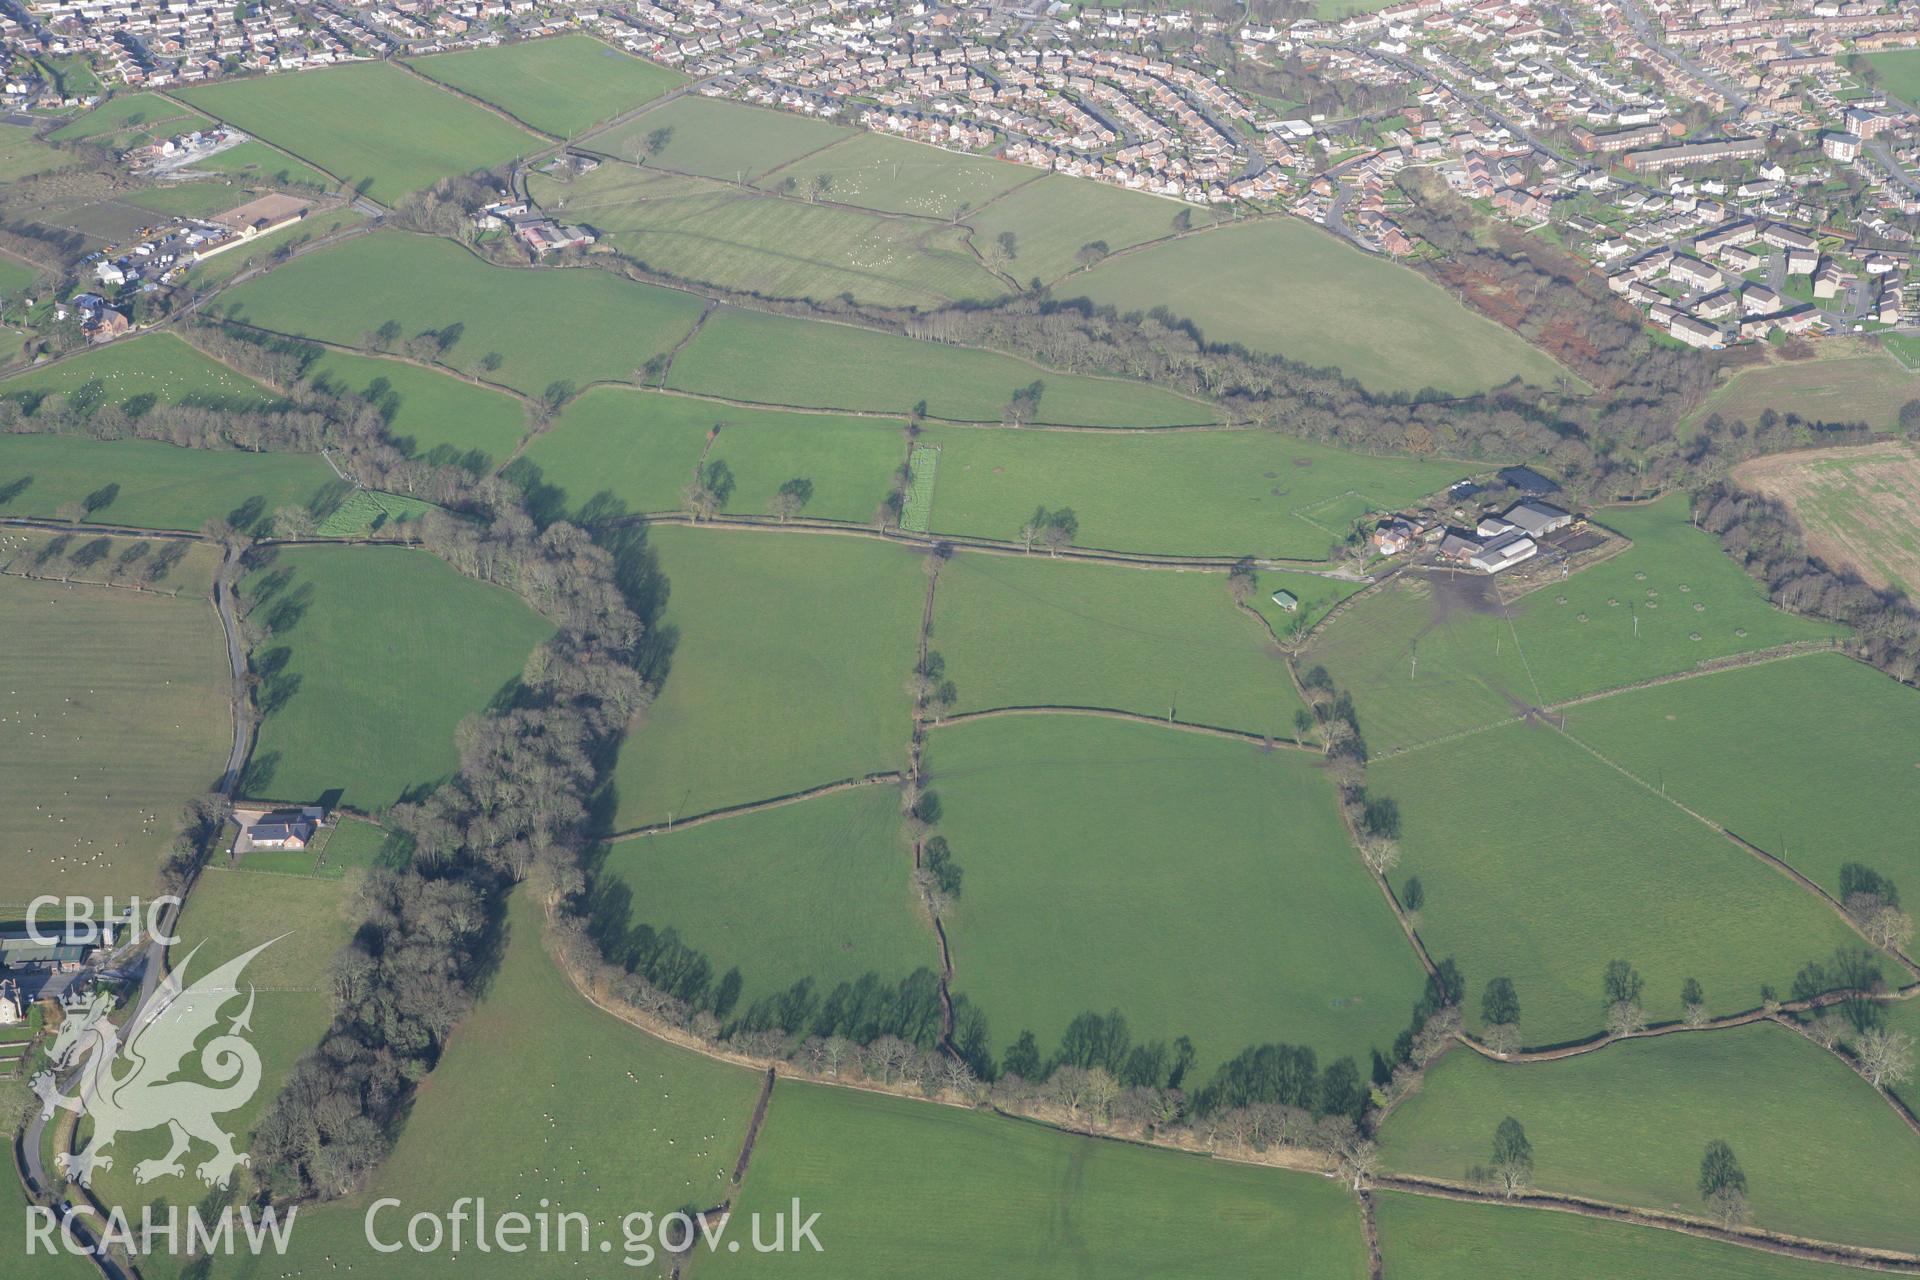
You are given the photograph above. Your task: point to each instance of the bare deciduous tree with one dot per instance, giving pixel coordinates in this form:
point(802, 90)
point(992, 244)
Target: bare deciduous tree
point(1885, 1056)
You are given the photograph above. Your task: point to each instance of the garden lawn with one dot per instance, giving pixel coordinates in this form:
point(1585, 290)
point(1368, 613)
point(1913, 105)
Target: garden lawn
point(1427, 657)
point(1111, 865)
point(697, 229)
point(127, 120)
point(820, 890)
point(1028, 631)
point(1223, 493)
point(135, 371)
point(559, 86)
point(910, 1190)
point(751, 355)
point(1424, 1238)
point(1541, 864)
point(597, 1118)
point(374, 657)
point(1813, 759)
point(379, 130)
point(428, 412)
point(533, 321)
point(620, 449)
point(895, 175)
point(305, 920)
point(114, 712)
point(716, 138)
point(1824, 1156)
point(789, 669)
point(1279, 285)
point(150, 485)
point(1054, 218)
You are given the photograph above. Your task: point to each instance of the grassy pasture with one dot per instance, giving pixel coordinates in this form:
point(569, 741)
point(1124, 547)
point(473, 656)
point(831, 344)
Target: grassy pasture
point(188, 199)
point(1379, 323)
point(113, 713)
point(1860, 383)
point(581, 1110)
point(1596, 869)
point(367, 512)
point(227, 913)
point(153, 485)
point(1426, 658)
point(789, 669)
point(1107, 864)
point(1857, 506)
point(715, 138)
point(699, 229)
point(560, 85)
point(531, 319)
point(638, 448)
point(1053, 218)
point(376, 654)
point(894, 175)
point(1899, 72)
point(1423, 1238)
point(377, 129)
point(751, 355)
point(1229, 493)
point(256, 162)
point(128, 120)
point(165, 567)
point(15, 1243)
point(24, 156)
point(821, 890)
point(1026, 630)
point(911, 1190)
point(426, 411)
point(1824, 1157)
point(133, 371)
point(1813, 759)
point(16, 277)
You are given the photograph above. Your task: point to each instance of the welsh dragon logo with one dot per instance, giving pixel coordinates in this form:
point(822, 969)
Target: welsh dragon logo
point(160, 1040)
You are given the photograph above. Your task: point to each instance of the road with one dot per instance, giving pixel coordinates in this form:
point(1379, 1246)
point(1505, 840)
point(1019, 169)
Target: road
point(1637, 19)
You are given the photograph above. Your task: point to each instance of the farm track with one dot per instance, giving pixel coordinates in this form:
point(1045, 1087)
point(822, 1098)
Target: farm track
point(1746, 1237)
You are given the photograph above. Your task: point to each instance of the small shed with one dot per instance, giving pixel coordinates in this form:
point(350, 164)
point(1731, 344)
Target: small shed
point(1286, 600)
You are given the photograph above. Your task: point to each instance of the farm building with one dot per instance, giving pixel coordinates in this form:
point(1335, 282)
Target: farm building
point(1504, 552)
point(1286, 600)
point(1536, 518)
point(1527, 480)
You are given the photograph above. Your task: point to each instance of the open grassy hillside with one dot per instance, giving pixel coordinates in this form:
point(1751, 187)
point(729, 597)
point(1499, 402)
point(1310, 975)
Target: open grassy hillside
point(127, 120)
point(1054, 217)
point(148, 485)
point(372, 658)
point(429, 412)
point(1541, 864)
point(1375, 321)
point(911, 1190)
point(716, 138)
point(1824, 1156)
point(529, 320)
point(1856, 506)
point(895, 175)
point(1108, 865)
point(559, 86)
point(789, 667)
point(143, 370)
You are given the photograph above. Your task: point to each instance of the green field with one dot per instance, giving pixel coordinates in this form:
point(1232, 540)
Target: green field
point(1054, 218)
point(1899, 72)
point(376, 654)
point(791, 654)
point(699, 229)
point(306, 920)
point(427, 412)
point(14, 1239)
point(149, 485)
point(381, 131)
point(1223, 493)
point(220, 269)
point(1423, 1238)
point(579, 1110)
point(115, 714)
point(1279, 285)
point(716, 138)
point(559, 86)
point(172, 567)
point(1863, 385)
point(894, 175)
point(1425, 657)
point(24, 156)
point(1824, 1156)
point(140, 370)
point(909, 1190)
point(1542, 864)
point(533, 320)
point(16, 277)
point(369, 512)
point(1856, 506)
point(1109, 865)
point(256, 162)
point(127, 120)
point(750, 355)
point(639, 448)
point(1812, 759)
point(1022, 631)
point(188, 199)
point(821, 890)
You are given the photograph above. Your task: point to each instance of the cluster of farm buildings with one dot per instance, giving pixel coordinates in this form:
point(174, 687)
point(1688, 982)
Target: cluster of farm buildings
point(1495, 541)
